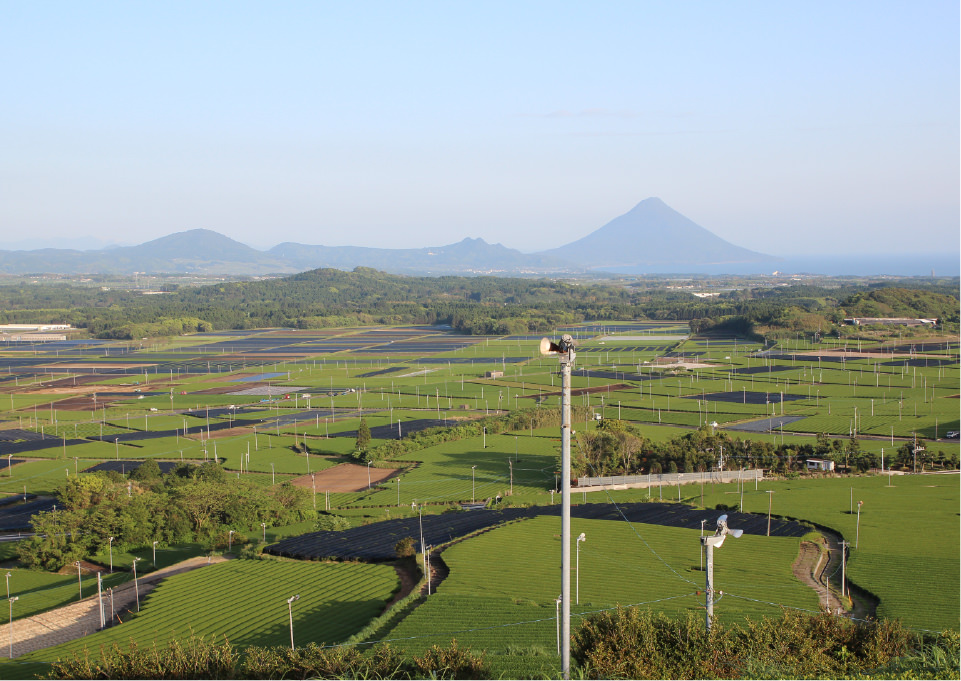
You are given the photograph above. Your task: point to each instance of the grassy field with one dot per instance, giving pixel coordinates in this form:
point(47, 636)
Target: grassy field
point(245, 602)
point(41, 591)
point(908, 544)
point(502, 599)
point(444, 473)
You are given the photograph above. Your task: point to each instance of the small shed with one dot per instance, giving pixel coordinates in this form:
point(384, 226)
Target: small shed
point(819, 464)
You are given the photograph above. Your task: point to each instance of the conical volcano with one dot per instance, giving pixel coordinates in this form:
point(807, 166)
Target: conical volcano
point(653, 237)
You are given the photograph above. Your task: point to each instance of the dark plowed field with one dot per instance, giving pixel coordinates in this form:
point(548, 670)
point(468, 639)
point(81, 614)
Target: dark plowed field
point(17, 516)
point(377, 541)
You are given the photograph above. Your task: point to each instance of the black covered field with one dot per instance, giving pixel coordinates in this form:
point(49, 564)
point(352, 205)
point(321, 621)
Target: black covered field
point(377, 541)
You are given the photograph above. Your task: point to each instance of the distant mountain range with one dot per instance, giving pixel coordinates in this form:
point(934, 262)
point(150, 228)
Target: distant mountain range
point(651, 238)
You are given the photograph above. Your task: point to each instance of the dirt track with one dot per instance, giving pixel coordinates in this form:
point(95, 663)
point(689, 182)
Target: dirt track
point(346, 477)
point(815, 565)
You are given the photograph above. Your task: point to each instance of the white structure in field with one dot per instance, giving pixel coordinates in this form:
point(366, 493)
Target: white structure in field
point(30, 333)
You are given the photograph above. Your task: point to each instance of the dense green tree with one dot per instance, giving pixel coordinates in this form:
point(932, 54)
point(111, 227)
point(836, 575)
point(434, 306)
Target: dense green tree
point(363, 435)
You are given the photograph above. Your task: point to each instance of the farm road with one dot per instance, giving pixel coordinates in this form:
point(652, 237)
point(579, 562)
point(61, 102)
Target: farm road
point(79, 619)
point(814, 571)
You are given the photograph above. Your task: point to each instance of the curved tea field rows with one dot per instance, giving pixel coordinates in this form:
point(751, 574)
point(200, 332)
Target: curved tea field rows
point(907, 547)
point(245, 601)
point(502, 584)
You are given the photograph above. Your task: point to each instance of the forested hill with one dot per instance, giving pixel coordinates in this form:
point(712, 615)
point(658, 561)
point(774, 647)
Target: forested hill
point(900, 302)
point(476, 305)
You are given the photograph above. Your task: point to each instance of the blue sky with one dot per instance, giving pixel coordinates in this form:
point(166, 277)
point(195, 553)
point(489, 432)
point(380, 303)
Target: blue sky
point(781, 126)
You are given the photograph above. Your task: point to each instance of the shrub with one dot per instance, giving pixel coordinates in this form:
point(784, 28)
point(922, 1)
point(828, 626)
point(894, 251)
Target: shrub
point(628, 643)
point(331, 523)
point(405, 548)
point(452, 662)
point(195, 658)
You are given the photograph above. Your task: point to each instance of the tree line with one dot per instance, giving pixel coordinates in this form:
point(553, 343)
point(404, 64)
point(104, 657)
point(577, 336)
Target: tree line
point(472, 305)
point(190, 504)
point(618, 448)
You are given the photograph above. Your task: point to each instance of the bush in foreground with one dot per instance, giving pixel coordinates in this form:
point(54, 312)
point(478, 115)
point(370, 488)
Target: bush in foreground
point(632, 644)
point(198, 658)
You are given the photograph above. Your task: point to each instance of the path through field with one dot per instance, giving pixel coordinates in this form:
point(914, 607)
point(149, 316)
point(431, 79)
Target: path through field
point(814, 570)
point(79, 619)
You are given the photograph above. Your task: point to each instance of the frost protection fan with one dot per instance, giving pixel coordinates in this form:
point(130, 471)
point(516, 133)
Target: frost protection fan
point(723, 530)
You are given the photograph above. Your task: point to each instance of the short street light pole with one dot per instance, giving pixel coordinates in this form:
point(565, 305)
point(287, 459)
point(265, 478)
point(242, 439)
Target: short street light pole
point(577, 586)
point(857, 533)
point(557, 617)
point(472, 486)
point(155, 554)
point(290, 614)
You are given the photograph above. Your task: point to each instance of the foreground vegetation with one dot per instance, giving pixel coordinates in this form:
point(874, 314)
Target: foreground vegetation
point(619, 644)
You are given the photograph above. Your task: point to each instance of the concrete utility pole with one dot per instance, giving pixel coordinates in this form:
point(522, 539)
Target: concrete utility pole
point(565, 355)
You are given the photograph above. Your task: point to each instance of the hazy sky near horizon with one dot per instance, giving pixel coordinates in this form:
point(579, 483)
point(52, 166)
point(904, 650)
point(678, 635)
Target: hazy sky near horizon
point(785, 127)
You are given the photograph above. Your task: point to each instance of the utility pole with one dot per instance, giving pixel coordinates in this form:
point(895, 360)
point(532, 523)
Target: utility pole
point(565, 355)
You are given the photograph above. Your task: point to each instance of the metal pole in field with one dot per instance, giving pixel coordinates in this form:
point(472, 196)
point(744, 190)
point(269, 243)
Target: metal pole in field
point(844, 547)
point(709, 544)
point(100, 599)
point(420, 513)
point(770, 501)
point(857, 533)
point(702, 548)
point(577, 588)
point(427, 567)
point(79, 580)
point(290, 614)
point(740, 484)
point(136, 584)
point(472, 469)
point(565, 355)
point(708, 582)
point(155, 554)
point(110, 543)
point(557, 617)
point(12, 599)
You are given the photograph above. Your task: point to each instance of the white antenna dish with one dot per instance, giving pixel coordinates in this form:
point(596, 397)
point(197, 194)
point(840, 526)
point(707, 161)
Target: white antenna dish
point(545, 346)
